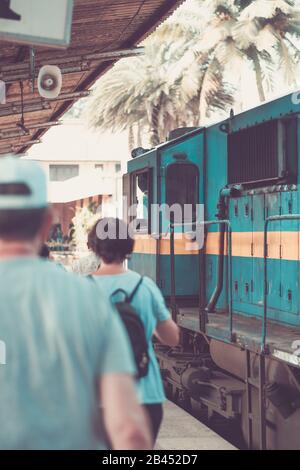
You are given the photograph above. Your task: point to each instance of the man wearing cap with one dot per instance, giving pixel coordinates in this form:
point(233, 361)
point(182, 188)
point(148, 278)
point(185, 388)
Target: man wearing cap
point(65, 349)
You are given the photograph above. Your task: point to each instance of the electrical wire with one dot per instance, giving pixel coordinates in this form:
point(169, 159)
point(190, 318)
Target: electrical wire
point(129, 23)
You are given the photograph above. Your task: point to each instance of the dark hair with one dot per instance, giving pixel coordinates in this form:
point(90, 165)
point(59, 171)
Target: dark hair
point(112, 247)
point(22, 224)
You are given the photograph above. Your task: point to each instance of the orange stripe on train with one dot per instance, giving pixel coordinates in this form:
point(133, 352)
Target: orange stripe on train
point(281, 245)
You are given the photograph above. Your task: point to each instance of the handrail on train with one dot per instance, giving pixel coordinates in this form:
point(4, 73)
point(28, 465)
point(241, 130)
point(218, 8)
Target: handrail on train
point(171, 227)
point(229, 266)
point(272, 218)
point(172, 273)
point(172, 266)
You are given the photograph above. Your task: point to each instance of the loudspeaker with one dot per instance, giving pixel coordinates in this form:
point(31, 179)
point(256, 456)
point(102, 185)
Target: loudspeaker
point(49, 81)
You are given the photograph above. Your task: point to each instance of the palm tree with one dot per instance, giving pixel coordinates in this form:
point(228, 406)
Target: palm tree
point(260, 31)
point(266, 30)
point(180, 79)
point(134, 93)
point(137, 92)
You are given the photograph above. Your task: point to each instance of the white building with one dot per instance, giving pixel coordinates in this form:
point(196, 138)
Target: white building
point(82, 166)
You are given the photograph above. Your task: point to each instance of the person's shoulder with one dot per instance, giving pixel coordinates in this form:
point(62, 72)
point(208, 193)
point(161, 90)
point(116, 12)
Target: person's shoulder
point(155, 299)
point(67, 279)
point(147, 282)
point(78, 304)
point(151, 286)
point(54, 269)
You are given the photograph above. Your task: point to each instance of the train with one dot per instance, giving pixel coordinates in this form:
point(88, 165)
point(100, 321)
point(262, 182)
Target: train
point(230, 275)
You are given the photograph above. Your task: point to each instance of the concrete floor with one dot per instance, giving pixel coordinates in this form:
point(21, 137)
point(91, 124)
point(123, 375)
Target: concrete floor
point(180, 431)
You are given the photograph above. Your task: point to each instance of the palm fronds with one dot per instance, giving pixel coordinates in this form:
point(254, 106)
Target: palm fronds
point(180, 79)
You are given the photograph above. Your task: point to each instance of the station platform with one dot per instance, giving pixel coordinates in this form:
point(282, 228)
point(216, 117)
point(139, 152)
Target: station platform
point(181, 431)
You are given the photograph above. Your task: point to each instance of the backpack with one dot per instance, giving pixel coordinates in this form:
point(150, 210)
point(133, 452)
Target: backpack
point(135, 330)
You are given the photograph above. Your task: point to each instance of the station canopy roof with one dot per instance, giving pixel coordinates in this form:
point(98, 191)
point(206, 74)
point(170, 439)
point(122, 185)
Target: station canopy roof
point(102, 32)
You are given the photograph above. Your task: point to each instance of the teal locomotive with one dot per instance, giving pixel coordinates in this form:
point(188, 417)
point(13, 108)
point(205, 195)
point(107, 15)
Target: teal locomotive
point(231, 275)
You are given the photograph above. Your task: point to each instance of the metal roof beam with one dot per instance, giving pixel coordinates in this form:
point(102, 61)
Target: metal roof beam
point(14, 147)
point(18, 132)
point(70, 64)
point(39, 105)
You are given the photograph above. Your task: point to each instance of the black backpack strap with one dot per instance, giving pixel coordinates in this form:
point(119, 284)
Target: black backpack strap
point(113, 293)
point(117, 292)
point(127, 298)
point(130, 298)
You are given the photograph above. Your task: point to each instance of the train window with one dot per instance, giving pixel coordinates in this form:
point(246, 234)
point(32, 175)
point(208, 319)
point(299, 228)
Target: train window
point(141, 193)
point(182, 188)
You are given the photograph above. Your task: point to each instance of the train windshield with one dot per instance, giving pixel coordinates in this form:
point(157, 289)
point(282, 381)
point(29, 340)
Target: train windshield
point(141, 195)
point(182, 189)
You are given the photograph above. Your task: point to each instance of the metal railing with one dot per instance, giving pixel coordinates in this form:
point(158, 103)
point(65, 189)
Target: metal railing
point(229, 266)
point(171, 228)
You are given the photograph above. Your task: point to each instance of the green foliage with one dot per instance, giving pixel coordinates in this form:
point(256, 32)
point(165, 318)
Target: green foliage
point(83, 221)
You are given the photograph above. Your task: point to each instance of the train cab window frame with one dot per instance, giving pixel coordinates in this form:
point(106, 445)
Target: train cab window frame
point(187, 196)
point(142, 224)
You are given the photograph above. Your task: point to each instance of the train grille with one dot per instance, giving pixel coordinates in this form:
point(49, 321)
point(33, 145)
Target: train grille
point(256, 153)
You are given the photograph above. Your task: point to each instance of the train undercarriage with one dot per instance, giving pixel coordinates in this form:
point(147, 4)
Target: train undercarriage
point(251, 398)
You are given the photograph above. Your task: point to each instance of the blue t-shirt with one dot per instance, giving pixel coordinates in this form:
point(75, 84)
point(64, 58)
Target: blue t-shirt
point(150, 306)
point(58, 337)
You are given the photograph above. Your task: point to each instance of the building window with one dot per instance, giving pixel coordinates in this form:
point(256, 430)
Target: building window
point(99, 167)
point(118, 167)
point(63, 172)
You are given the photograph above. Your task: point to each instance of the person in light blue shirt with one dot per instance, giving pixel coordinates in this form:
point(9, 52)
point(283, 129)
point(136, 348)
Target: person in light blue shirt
point(63, 349)
point(112, 249)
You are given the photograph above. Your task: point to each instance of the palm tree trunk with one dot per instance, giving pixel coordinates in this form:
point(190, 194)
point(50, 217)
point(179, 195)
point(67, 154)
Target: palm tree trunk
point(196, 111)
point(258, 76)
point(202, 106)
point(154, 133)
point(154, 125)
point(197, 118)
point(139, 135)
point(130, 139)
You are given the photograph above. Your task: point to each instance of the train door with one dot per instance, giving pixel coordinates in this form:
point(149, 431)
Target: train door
point(181, 189)
point(273, 207)
point(258, 206)
point(289, 254)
